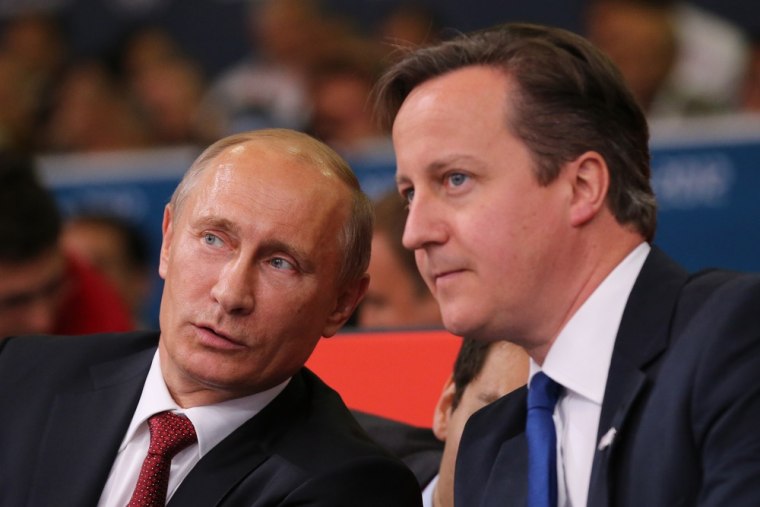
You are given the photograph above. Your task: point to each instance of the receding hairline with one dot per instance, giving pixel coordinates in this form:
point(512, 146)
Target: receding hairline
point(286, 142)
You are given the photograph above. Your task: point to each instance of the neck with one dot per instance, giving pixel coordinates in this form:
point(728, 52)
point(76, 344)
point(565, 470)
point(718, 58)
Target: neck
point(597, 258)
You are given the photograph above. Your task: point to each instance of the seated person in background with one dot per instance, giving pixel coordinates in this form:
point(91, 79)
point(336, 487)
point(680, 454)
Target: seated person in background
point(341, 114)
point(42, 289)
point(266, 241)
point(397, 296)
point(118, 250)
point(482, 373)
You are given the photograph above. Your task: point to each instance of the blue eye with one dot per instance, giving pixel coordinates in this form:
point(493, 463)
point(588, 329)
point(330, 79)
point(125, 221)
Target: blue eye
point(457, 179)
point(211, 239)
point(408, 195)
point(280, 263)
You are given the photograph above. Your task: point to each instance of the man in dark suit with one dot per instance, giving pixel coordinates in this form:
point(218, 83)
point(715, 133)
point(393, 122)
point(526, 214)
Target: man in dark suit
point(524, 160)
point(266, 244)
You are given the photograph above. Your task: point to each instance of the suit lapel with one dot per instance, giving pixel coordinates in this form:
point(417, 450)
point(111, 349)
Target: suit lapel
point(84, 430)
point(642, 338)
point(243, 451)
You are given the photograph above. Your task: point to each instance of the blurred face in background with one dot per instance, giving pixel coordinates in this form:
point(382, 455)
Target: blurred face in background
point(504, 370)
point(31, 294)
point(394, 297)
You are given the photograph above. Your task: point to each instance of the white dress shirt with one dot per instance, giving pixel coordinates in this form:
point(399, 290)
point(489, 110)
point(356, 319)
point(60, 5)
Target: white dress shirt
point(427, 493)
point(213, 423)
point(579, 360)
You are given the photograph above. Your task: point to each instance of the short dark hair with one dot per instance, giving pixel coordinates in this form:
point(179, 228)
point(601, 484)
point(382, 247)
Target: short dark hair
point(468, 365)
point(390, 219)
point(571, 99)
point(30, 222)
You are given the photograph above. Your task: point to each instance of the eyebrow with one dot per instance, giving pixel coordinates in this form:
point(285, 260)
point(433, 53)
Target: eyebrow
point(218, 223)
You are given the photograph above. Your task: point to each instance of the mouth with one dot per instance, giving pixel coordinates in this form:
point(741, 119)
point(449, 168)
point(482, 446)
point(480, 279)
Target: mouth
point(444, 276)
point(217, 339)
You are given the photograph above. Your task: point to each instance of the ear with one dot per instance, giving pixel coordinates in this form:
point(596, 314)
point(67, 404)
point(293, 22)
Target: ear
point(443, 410)
point(590, 180)
point(347, 302)
point(168, 232)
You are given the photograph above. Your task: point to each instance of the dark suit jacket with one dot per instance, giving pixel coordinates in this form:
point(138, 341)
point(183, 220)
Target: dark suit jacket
point(417, 447)
point(682, 398)
point(66, 403)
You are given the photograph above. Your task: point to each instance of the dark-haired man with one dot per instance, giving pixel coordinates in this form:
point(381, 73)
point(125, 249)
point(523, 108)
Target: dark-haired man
point(43, 289)
point(524, 160)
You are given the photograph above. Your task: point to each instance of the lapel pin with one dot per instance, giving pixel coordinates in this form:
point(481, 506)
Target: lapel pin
point(607, 439)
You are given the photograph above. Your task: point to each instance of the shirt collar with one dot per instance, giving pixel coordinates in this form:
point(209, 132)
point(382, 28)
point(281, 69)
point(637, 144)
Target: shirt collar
point(213, 423)
point(579, 358)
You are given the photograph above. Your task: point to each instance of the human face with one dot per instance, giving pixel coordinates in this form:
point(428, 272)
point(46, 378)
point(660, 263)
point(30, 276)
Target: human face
point(250, 263)
point(31, 294)
point(393, 298)
point(105, 248)
point(505, 369)
point(488, 239)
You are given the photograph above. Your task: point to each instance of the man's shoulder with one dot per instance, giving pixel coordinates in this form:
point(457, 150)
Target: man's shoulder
point(317, 450)
point(500, 420)
point(417, 447)
point(70, 352)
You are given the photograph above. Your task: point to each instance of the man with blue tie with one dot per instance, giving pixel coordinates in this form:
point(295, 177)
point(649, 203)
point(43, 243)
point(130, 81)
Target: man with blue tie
point(524, 160)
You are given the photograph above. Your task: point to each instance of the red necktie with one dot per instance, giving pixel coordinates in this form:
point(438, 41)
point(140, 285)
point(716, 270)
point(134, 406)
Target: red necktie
point(169, 434)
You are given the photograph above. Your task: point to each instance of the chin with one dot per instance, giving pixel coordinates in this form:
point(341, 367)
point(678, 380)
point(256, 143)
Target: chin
point(457, 322)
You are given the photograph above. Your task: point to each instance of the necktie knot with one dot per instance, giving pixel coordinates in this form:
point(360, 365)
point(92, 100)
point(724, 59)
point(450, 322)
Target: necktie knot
point(543, 392)
point(170, 433)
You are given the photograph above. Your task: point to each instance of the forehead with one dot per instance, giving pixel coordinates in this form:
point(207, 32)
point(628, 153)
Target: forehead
point(478, 91)
point(255, 178)
point(461, 113)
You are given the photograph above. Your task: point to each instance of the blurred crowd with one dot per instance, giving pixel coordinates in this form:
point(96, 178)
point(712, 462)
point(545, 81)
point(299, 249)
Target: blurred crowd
point(313, 70)
point(307, 70)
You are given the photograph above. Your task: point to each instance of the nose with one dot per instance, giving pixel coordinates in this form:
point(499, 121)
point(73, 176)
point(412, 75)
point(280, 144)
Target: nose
point(424, 223)
point(234, 290)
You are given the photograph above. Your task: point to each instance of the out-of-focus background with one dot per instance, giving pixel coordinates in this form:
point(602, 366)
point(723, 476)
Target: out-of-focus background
point(114, 98)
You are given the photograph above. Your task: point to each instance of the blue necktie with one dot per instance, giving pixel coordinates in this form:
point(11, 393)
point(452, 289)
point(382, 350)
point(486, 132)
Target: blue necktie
point(542, 441)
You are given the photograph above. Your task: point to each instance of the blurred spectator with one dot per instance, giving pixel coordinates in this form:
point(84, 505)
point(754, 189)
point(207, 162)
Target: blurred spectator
point(118, 250)
point(407, 25)
point(143, 48)
point(289, 39)
point(91, 112)
point(37, 43)
point(268, 89)
point(751, 82)
point(679, 60)
point(640, 37)
point(712, 58)
point(397, 295)
point(18, 107)
point(483, 372)
point(341, 110)
point(167, 87)
point(43, 290)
